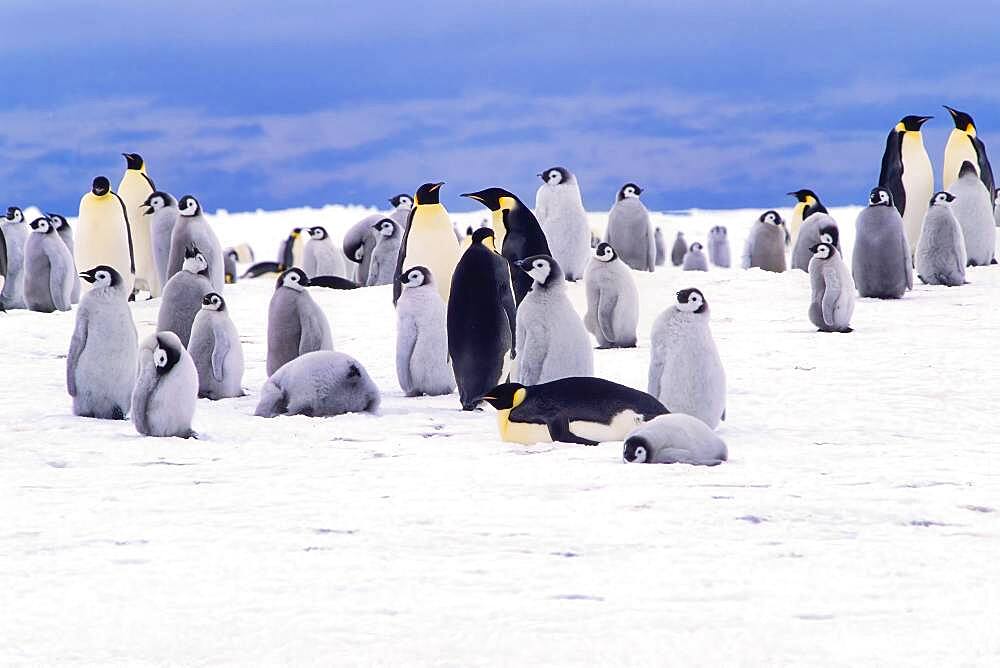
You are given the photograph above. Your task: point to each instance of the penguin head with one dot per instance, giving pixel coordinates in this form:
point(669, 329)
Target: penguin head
point(293, 278)
point(823, 251)
point(494, 199)
point(911, 123)
point(386, 227)
point(943, 198)
point(962, 121)
point(133, 161)
point(968, 169)
point(157, 200)
point(880, 196)
point(401, 201)
point(58, 221)
point(486, 237)
point(771, 218)
point(691, 300)
point(680, 236)
point(543, 268)
point(628, 191)
point(555, 176)
point(637, 450)
point(696, 247)
point(14, 215)
point(719, 231)
point(829, 234)
point(505, 396)
point(604, 252)
point(194, 260)
point(429, 193)
point(213, 301)
point(100, 186)
point(189, 206)
point(414, 277)
point(167, 352)
point(41, 225)
point(318, 233)
point(102, 276)
point(233, 254)
point(804, 195)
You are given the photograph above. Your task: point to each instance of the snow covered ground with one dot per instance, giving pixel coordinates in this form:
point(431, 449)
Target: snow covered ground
point(857, 522)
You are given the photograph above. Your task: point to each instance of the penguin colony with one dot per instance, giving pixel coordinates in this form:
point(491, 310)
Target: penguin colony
point(487, 313)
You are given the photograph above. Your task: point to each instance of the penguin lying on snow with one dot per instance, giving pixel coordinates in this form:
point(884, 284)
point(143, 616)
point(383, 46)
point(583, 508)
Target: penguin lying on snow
point(322, 383)
point(675, 439)
point(571, 410)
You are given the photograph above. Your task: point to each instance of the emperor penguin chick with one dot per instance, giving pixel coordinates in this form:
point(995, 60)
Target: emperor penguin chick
point(167, 388)
point(661, 247)
point(765, 244)
point(321, 257)
point(685, 371)
point(560, 212)
point(322, 383)
point(881, 262)
point(718, 246)
point(679, 250)
point(65, 233)
point(552, 342)
point(629, 230)
point(161, 210)
point(216, 350)
point(15, 233)
point(612, 299)
point(694, 259)
point(422, 364)
point(295, 323)
point(809, 236)
point(103, 354)
point(832, 290)
point(974, 211)
point(675, 438)
point(192, 228)
point(386, 253)
point(941, 258)
point(359, 243)
point(183, 294)
point(48, 269)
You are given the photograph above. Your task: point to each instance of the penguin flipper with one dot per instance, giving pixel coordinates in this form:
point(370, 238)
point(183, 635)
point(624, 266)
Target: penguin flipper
point(333, 282)
point(261, 268)
point(219, 353)
point(559, 431)
point(606, 315)
point(76, 347)
point(397, 287)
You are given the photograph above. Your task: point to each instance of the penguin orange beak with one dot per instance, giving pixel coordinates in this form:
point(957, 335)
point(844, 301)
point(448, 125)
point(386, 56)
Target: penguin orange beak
point(435, 186)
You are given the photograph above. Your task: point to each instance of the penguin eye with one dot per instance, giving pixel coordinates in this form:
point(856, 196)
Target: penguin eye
point(160, 357)
point(102, 275)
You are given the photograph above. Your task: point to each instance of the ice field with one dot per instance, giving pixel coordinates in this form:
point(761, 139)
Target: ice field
point(856, 523)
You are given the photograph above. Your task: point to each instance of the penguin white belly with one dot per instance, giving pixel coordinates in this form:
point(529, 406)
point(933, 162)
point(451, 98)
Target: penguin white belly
point(918, 184)
point(134, 189)
point(526, 433)
point(795, 222)
point(616, 430)
point(432, 244)
point(102, 237)
point(958, 149)
point(499, 231)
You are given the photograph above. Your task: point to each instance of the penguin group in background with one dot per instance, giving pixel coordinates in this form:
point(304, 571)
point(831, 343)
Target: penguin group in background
point(675, 439)
point(481, 319)
point(685, 370)
point(15, 233)
point(570, 410)
point(694, 259)
point(216, 350)
point(191, 229)
point(612, 299)
point(295, 323)
point(183, 294)
point(718, 247)
point(286, 257)
point(809, 236)
point(964, 145)
point(161, 210)
point(385, 256)
point(65, 233)
point(907, 174)
point(103, 232)
point(765, 244)
point(941, 258)
point(559, 208)
point(428, 241)
point(359, 243)
point(881, 262)
point(661, 247)
point(422, 365)
point(974, 211)
point(806, 204)
point(48, 269)
point(832, 302)
point(552, 341)
point(522, 234)
point(103, 353)
point(134, 189)
point(320, 257)
point(230, 271)
point(321, 383)
point(629, 231)
point(166, 390)
point(679, 250)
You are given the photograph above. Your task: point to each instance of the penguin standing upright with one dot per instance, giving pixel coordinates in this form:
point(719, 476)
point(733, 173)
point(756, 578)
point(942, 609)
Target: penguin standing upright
point(881, 263)
point(832, 290)
point(48, 269)
point(965, 145)
point(386, 253)
point(103, 232)
point(481, 319)
point(15, 233)
point(629, 231)
point(694, 259)
point(765, 244)
point(559, 208)
point(216, 350)
point(429, 241)
point(401, 206)
point(321, 257)
point(65, 233)
point(678, 251)
point(133, 189)
point(612, 299)
point(422, 337)
point(166, 390)
point(941, 257)
point(192, 228)
point(907, 173)
point(183, 294)
point(809, 236)
point(974, 211)
point(161, 210)
point(661, 247)
point(230, 257)
point(718, 247)
point(295, 323)
point(522, 235)
point(806, 204)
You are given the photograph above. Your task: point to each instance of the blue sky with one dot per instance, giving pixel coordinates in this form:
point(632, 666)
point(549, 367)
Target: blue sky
point(302, 102)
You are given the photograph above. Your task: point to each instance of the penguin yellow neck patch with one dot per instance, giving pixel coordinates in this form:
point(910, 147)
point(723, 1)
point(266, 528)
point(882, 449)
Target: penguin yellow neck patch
point(970, 130)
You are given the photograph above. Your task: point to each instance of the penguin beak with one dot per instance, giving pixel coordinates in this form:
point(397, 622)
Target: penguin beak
point(87, 276)
point(305, 282)
point(474, 196)
point(435, 186)
point(923, 119)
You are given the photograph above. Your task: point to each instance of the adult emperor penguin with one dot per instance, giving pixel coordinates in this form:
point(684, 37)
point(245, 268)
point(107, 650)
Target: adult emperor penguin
point(809, 236)
point(661, 247)
point(679, 250)
point(65, 233)
point(386, 254)
point(321, 257)
point(216, 350)
point(674, 439)
point(685, 371)
point(907, 174)
point(481, 319)
point(973, 209)
point(718, 247)
point(230, 256)
point(517, 226)
point(765, 244)
point(103, 232)
point(881, 262)
point(192, 228)
point(629, 230)
point(103, 353)
point(160, 208)
point(559, 208)
point(15, 233)
point(612, 299)
point(134, 188)
point(570, 410)
point(359, 243)
point(428, 241)
point(322, 383)
point(806, 204)
point(295, 323)
point(694, 259)
point(183, 294)
point(48, 269)
point(832, 290)
point(422, 365)
point(552, 341)
point(941, 258)
point(166, 390)
point(965, 145)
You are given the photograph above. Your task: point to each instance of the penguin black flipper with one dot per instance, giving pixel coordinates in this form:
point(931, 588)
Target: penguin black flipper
point(3, 255)
point(149, 181)
point(985, 169)
point(333, 282)
point(524, 238)
point(261, 268)
point(891, 176)
point(397, 287)
point(559, 431)
point(128, 229)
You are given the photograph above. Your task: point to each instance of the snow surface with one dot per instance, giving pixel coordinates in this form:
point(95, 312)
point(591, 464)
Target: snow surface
point(856, 522)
